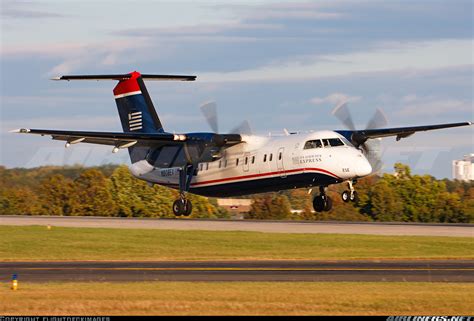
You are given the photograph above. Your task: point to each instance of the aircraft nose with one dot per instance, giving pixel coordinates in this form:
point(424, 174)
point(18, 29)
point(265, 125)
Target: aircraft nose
point(363, 167)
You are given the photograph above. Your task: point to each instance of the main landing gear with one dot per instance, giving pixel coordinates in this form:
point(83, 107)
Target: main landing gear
point(183, 206)
point(351, 194)
point(322, 202)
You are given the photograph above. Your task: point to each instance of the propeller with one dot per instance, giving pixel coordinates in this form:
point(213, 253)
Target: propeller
point(209, 110)
point(371, 147)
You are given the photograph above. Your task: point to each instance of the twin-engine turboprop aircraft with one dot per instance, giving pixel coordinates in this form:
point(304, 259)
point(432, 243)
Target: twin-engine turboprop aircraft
point(212, 164)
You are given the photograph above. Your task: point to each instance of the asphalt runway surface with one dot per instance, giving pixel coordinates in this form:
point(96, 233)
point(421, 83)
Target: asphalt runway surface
point(302, 271)
point(424, 229)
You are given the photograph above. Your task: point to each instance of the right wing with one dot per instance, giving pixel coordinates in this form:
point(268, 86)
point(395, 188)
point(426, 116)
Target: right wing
point(123, 140)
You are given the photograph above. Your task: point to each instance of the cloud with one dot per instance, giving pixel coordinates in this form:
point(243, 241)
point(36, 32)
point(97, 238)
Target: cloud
point(15, 9)
point(421, 106)
point(197, 30)
point(385, 57)
point(75, 56)
point(334, 99)
point(296, 11)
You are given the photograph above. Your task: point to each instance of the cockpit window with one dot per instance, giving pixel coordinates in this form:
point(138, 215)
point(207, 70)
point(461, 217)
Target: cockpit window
point(313, 144)
point(346, 142)
point(335, 142)
point(327, 142)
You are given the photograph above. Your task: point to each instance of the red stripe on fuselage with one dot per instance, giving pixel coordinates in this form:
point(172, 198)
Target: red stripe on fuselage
point(229, 179)
point(128, 85)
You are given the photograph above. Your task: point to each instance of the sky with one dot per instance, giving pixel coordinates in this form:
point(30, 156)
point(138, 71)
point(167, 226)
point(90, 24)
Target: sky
point(275, 64)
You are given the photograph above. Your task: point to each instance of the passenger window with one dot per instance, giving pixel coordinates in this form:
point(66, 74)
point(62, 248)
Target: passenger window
point(225, 163)
point(219, 164)
point(237, 162)
point(279, 156)
point(246, 160)
point(253, 159)
point(264, 158)
point(271, 157)
point(313, 144)
point(200, 167)
point(207, 166)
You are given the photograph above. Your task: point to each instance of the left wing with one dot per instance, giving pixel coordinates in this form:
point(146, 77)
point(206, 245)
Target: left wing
point(361, 136)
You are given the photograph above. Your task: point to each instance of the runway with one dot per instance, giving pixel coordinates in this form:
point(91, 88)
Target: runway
point(303, 271)
point(423, 229)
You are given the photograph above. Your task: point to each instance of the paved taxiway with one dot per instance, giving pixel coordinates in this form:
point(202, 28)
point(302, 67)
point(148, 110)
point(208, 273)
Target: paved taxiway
point(376, 271)
point(458, 230)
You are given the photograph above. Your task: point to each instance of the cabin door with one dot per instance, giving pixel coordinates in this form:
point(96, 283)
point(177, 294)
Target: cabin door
point(280, 165)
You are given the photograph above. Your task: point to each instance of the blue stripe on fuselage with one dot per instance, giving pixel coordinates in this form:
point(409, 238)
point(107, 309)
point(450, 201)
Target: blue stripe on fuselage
point(263, 185)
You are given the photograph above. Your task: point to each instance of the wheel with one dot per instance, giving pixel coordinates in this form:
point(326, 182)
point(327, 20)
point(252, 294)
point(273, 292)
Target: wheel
point(188, 207)
point(327, 204)
point(355, 197)
point(178, 207)
point(318, 204)
point(346, 195)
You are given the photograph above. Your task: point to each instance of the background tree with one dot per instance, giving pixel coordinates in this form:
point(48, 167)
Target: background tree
point(91, 195)
point(54, 196)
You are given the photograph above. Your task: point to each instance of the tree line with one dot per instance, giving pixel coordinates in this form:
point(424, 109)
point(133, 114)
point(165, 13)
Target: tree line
point(101, 191)
point(111, 190)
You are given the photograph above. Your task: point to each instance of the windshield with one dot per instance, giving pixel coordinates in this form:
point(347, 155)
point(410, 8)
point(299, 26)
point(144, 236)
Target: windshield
point(326, 142)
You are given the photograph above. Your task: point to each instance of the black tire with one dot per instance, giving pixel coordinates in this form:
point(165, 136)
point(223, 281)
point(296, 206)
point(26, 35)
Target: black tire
point(346, 196)
point(178, 207)
point(327, 204)
point(355, 197)
point(318, 204)
point(188, 208)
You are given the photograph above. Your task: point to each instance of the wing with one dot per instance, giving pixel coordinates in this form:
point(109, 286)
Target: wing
point(124, 140)
point(106, 138)
point(361, 136)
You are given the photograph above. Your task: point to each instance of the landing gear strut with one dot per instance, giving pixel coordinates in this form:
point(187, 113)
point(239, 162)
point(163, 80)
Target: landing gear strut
point(351, 194)
point(322, 202)
point(183, 206)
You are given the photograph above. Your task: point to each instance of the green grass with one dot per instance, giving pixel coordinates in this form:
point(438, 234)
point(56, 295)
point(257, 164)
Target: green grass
point(242, 298)
point(61, 243)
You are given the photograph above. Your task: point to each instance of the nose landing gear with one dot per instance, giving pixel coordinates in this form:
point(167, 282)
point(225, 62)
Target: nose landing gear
point(322, 202)
point(351, 194)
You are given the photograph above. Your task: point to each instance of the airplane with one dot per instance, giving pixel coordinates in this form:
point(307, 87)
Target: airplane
point(223, 165)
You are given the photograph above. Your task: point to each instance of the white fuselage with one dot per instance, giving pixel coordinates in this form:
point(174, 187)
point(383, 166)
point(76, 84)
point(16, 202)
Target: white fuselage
point(264, 164)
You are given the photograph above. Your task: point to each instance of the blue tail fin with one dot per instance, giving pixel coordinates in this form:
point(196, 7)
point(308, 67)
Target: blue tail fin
point(135, 107)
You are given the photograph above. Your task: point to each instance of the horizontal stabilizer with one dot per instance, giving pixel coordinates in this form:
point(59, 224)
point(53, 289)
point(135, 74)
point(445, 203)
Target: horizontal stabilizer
point(127, 76)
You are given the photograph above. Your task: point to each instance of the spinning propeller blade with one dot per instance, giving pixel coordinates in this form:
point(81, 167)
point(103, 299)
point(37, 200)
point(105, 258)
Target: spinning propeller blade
point(371, 148)
point(209, 110)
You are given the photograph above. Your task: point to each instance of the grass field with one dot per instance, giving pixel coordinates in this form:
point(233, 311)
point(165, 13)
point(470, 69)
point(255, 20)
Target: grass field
point(60, 243)
point(198, 298)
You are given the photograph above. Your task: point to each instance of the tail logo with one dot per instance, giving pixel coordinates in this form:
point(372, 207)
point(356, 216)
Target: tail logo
point(135, 120)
